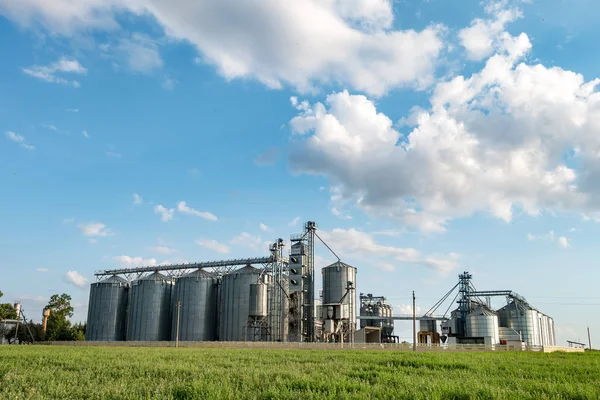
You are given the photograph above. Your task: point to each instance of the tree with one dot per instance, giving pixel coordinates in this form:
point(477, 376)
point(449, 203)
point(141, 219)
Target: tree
point(59, 326)
point(7, 311)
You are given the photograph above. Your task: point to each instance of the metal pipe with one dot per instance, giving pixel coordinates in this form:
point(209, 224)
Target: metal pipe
point(589, 337)
point(414, 323)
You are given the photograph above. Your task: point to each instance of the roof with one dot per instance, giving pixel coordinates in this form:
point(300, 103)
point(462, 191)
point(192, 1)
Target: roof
point(339, 264)
point(113, 279)
point(156, 276)
point(246, 270)
point(199, 273)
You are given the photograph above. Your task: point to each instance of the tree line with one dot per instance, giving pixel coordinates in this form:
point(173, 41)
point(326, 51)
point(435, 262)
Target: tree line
point(58, 327)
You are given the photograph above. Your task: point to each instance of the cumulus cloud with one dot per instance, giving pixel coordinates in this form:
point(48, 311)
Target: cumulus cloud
point(255, 243)
point(484, 36)
point(300, 43)
point(140, 52)
point(163, 250)
point(511, 138)
point(214, 246)
point(94, 229)
point(183, 208)
point(563, 242)
point(137, 199)
point(75, 278)
point(85, 134)
point(352, 242)
point(130, 262)
point(263, 227)
point(166, 214)
point(19, 139)
point(53, 72)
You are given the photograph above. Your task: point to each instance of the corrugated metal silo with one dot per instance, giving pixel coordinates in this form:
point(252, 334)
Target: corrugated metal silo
point(107, 310)
point(522, 319)
point(150, 311)
point(197, 294)
point(336, 278)
point(234, 303)
point(482, 322)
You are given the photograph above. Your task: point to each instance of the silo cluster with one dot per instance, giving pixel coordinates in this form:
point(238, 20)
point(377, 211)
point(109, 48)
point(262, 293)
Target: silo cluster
point(198, 306)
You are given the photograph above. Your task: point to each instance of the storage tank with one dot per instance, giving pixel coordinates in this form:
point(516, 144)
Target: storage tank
point(258, 300)
point(234, 303)
point(150, 311)
point(483, 322)
point(107, 310)
point(336, 278)
point(197, 294)
point(523, 319)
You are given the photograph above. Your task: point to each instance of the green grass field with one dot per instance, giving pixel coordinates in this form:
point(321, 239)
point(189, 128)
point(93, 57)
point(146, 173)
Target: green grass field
point(47, 372)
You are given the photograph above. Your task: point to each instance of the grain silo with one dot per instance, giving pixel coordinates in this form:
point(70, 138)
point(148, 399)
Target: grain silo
point(482, 322)
point(150, 309)
point(196, 293)
point(234, 303)
point(339, 302)
point(535, 328)
point(107, 310)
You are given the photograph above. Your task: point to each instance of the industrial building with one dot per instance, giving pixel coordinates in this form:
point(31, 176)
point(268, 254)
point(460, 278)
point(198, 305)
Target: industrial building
point(255, 299)
point(273, 299)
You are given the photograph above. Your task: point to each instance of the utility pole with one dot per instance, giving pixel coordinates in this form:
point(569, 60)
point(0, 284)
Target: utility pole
point(589, 338)
point(177, 329)
point(414, 324)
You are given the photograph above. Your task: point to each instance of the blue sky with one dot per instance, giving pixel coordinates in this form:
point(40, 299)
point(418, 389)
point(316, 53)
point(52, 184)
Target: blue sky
point(425, 138)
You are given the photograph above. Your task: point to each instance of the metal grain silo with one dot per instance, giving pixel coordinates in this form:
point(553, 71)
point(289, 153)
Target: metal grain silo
point(337, 279)
point(234, 303)
point(196, 293)
point(482, 322)
point(150, 306)
point(522, 319)
point(107, 310)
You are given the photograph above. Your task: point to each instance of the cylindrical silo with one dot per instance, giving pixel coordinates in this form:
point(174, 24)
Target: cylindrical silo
point(482, 322)
point(235, 303)
point(149, 316)
point(522, 319)
point(196, 293)
point(107, 310)
point(339, 285)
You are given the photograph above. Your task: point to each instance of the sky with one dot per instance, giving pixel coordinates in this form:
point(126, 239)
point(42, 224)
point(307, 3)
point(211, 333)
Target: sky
point(425, 138)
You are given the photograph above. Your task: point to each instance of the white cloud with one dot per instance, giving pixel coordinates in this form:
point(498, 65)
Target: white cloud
point(386, 232)
point(263, 227)
point(214, 246)
point(137, 199)
point(19, 139)
point(166, 214)
point(294, 222)
point(511, 138)
point(52, 72)
point(76, 279)
point(42, 270)
point(73, 110)
point(94, 229)
point(141, 53)
point(407, 309)
point(182, 207)
point(386, 267)
point(255, 243)
point(130, 262)
point(352, 242)
point(69, 220)
point(300, 43)
point(85, 134)
point(52, 127)
point(163, 250)
point(563, 242)
point(484, 36)
point(530, 236)
point(168, 83)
